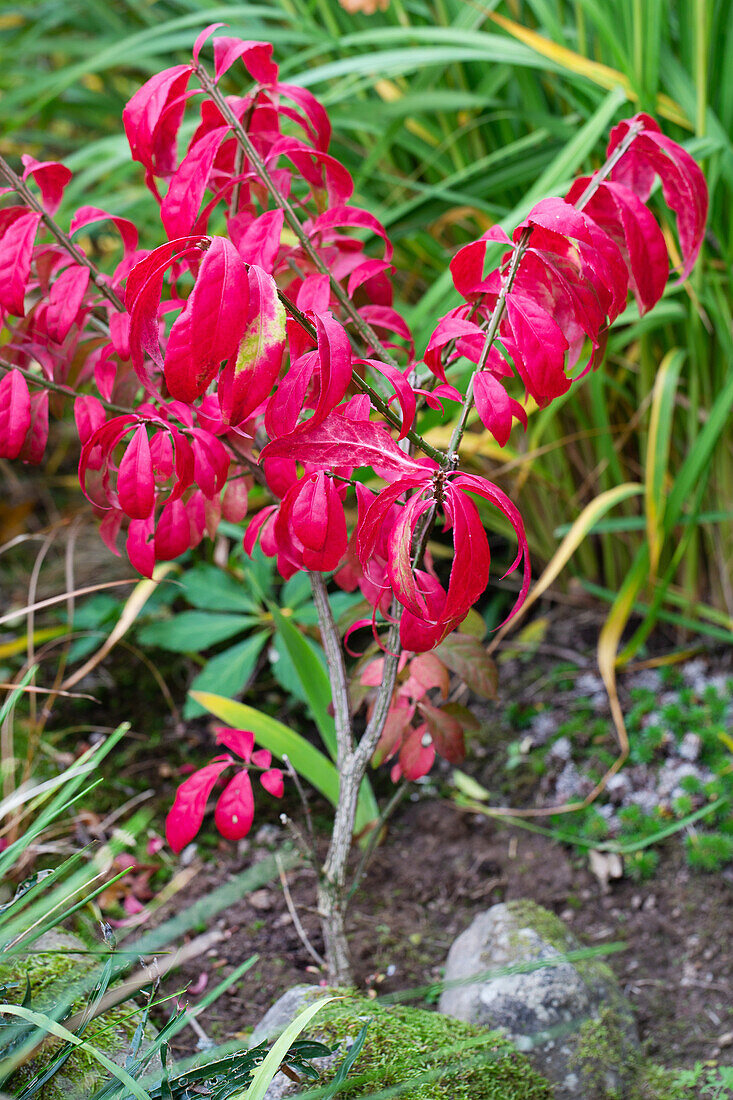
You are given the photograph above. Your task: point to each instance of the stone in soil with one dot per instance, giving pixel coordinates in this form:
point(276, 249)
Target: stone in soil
point(553, 1012)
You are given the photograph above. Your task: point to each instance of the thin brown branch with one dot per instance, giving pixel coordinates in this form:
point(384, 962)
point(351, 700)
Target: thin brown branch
point(64, 240)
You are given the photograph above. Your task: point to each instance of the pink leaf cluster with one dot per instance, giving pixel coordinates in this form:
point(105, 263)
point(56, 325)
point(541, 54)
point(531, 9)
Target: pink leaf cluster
point(583, 255)
point(235, 805)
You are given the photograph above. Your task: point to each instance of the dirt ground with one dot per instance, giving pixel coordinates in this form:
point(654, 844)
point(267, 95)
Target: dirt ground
point(438, 869)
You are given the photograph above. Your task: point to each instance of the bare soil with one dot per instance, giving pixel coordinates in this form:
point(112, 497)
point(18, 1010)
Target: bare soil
point(438, 869)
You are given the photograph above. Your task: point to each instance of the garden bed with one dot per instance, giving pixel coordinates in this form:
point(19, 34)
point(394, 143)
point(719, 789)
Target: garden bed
point(441, 865)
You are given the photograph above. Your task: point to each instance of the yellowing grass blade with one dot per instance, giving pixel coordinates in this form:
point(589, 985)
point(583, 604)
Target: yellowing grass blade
point(580, 528)
point(610, 637)
point(136, 601)
point(600, 74)
point(657, 456)
point(20, 645)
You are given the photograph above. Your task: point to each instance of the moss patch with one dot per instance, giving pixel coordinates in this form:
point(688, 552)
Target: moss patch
point(52, 977)
point(604, 1044)
point(446, 1059)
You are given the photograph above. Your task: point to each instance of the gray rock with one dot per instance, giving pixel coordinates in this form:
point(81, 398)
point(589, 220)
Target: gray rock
point(646, 800)
point(694, 674)
point(274, 1022)
point(569, 783)
point(648, 679)
point(561, 749)
point(547, 1009)
point(618, 787)
point(669, 780)
point(543, 726)
point(690, 746)
point(284, 1011)
point(591, 685)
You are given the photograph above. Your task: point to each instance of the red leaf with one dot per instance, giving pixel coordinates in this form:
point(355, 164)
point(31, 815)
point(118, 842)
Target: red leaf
point(142, 298)
point(398, 718)
point(260, 242)
point(109, 529)
point(538, 348)
point(286, 404)
point(683, 183)
point(262, 758)
point(240, 741)
point(314, 294)
point(634, 228)
point(234, 501)
point(471, 483)
point(316, 122)
point(235, 809)
point(211, 325)
point(65, 300)
point(211, 462)
point(272, 781)
point(140, 546)
point(16, 252)
point(15, 413)
point(135, 482)
point(312, 514)
point(416, 759)
point(35, 441)
point(446, 732)
point(202, 38)
point(152, 117)
point(495, 407)
point(451, 328)
point(338, 441)
point(595, 255)
point(389, 320)
point(257, 58)
point(467, 266)
point(470, 569)
point(334, 356)
point(187, 812)
point(343, 215)
point(173, 531)
point(464, 655)
point(403, 390)
point(89, 415)
point(180, 207)
point(248, 379)
point(51, 178)
point(427, 672)
point(88, 215)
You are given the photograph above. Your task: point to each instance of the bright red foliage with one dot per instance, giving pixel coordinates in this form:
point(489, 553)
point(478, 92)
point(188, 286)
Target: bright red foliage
point(258, 348)
point(235, 806)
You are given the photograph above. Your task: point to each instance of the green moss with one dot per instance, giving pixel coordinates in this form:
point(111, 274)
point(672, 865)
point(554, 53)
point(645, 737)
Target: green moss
point(447, 1060)
point(604, 1043)
point(52, 976)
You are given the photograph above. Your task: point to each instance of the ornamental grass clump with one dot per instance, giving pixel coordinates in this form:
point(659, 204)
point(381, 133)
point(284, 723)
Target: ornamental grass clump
point(259, 343)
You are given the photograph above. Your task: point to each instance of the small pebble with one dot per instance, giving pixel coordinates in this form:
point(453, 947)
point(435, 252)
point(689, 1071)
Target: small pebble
point(690, 746)
point(561, 749)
